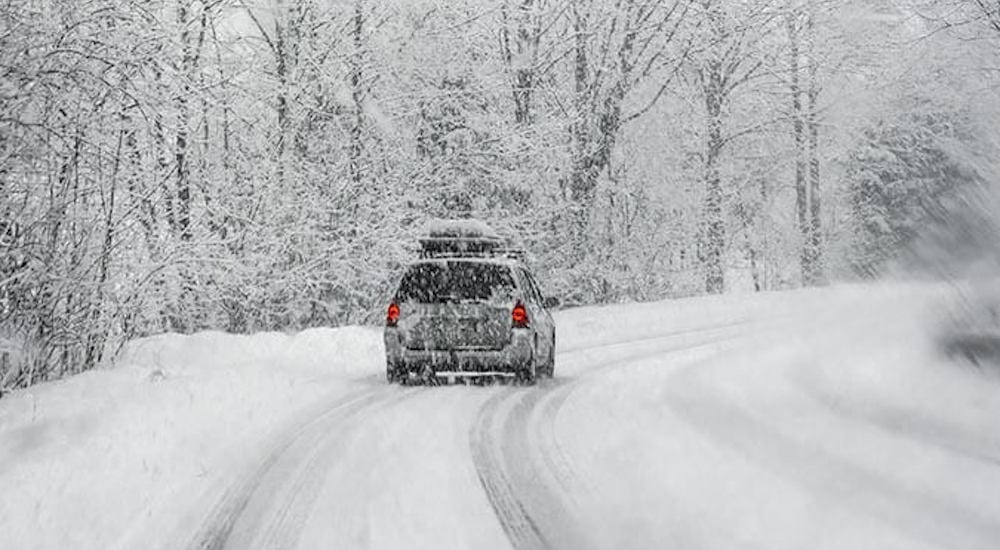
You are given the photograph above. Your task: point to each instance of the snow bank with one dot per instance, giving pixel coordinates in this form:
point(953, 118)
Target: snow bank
point(831, 421)
point(347, 351)
point(594, 326)
point(82, 458)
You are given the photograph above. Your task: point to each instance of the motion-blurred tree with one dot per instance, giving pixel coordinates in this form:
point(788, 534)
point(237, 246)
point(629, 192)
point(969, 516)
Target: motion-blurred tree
point(904, 174)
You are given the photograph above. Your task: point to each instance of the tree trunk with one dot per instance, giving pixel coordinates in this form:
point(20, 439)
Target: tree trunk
point(582, 180)
point(357, 94)
point(798, 133)
point(520, 54)
point(714, 229)
point(182, 170)
point(815, 243)
point(160, 141)
point(281, 101)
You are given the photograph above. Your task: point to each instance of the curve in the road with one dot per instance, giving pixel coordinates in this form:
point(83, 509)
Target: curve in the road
point(528, 480)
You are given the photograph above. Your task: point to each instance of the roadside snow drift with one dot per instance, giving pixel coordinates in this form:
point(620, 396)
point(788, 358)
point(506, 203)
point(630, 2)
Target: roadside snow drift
point(830, 421)
point(84, 460)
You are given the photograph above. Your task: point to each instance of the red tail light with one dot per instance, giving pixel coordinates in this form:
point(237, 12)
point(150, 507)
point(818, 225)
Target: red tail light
point(392, 315)
point(519, 316)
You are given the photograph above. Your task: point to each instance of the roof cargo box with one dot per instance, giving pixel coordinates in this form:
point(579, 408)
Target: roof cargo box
point(460, 229)
point(457, 238)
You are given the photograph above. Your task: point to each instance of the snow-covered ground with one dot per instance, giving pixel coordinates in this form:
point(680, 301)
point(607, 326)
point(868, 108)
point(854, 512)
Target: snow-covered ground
point(86, 461)
point(808, 419)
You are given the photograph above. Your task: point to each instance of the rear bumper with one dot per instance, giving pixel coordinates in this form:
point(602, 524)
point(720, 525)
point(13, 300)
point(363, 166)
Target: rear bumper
point(504, 362)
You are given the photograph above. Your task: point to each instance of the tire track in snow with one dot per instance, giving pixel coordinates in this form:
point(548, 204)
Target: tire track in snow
point(298, 456)
point(290, 504)
point(528, 479)
point(494, 475)
point(673, 335)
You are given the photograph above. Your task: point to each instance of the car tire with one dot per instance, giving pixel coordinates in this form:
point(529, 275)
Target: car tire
point(527, 374)
point(550, 367)
point(393, 374)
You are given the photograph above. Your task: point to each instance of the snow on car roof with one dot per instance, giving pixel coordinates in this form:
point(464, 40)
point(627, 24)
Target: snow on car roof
point(460, 229)
point(465, 238)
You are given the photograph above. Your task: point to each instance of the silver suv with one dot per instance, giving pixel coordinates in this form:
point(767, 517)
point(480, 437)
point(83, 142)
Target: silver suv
point(468, 309)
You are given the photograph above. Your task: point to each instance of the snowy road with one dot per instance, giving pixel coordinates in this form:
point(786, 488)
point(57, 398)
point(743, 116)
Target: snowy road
point(817, 420)
point(392, 467)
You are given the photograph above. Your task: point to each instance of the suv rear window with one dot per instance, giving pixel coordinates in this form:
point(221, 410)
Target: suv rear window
point(452, 282)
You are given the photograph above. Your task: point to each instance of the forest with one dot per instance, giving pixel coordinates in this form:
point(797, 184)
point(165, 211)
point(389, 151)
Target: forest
point(265, 165)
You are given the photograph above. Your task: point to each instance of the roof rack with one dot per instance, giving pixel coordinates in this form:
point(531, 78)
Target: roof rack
point(513, 253)
point(457, 246)
point(469, 248)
